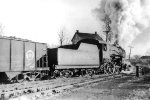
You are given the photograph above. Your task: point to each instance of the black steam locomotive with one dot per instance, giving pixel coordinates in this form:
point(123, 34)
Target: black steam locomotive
point(22, 60)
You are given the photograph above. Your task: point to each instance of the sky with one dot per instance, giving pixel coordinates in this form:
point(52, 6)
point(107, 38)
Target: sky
point(42, 20)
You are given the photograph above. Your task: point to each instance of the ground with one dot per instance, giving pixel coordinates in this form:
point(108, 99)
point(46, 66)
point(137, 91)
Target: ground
point(126, 88)
point(101, 87)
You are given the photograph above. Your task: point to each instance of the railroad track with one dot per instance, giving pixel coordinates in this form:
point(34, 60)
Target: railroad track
point(39, 89)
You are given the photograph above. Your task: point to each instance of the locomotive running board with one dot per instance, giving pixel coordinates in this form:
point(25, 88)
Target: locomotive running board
point(75, 67)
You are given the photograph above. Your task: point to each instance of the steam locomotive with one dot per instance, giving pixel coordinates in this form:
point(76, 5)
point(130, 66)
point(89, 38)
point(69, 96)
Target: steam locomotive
point(22, 60)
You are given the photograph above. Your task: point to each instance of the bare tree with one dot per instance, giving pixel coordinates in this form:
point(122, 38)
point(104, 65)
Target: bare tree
point(135, 60)
point(61, 38)
point(136, 57)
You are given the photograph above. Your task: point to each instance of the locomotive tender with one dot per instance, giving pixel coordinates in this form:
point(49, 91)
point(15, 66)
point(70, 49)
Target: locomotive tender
point(27, 60)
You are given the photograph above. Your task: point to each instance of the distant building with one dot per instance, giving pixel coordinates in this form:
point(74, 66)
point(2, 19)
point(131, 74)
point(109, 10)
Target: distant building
point(78, 36)
point(145, 57)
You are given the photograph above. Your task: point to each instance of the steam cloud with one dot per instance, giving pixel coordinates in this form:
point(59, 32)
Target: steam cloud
point(128, 18)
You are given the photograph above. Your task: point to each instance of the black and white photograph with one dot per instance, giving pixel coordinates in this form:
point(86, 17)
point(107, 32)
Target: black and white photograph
point(74, 49)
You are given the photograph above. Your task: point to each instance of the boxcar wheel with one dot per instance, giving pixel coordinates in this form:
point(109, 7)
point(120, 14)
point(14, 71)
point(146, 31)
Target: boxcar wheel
point(20, 78)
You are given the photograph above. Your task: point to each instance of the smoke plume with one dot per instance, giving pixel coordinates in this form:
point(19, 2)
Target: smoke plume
point(128, 18)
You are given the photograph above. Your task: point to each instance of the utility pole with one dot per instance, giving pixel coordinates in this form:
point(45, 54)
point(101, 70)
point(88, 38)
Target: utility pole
point(107, 22)
point(130, 51)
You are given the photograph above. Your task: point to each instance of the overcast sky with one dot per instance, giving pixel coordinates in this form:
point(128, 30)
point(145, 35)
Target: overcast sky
point(42, 20)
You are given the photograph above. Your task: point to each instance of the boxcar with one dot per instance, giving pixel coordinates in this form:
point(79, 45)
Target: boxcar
point(20, 55)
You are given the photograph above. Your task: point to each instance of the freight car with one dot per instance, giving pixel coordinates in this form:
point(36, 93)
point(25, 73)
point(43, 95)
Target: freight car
point(22, 59)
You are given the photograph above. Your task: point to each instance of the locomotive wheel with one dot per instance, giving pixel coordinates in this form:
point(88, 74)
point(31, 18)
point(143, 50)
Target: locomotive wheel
point(105, 70)
point(66, 73)
point(116, 69)
point(110, 70)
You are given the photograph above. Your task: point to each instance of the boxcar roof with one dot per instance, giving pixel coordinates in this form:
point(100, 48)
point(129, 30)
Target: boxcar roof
point(18, 39)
